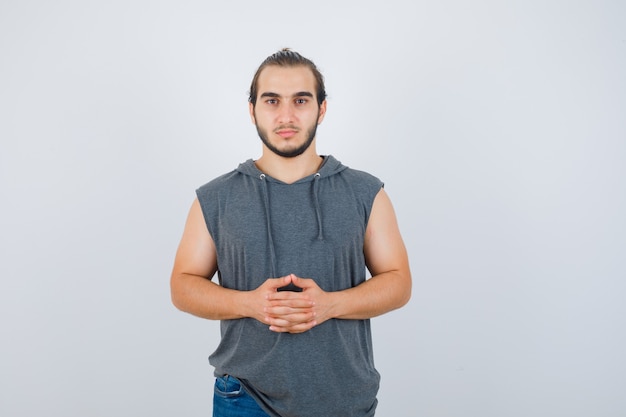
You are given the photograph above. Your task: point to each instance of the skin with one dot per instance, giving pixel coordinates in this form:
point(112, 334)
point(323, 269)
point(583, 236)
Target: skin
point(285, 114)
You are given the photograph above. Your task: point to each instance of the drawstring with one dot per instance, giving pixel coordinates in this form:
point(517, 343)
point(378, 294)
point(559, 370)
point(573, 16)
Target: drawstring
point(266, 200)
point(269, 228)
point(318, 211)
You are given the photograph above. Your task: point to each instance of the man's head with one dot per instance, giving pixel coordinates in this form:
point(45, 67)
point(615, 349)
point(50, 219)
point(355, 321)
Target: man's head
point(287, 102)
point(288, 58)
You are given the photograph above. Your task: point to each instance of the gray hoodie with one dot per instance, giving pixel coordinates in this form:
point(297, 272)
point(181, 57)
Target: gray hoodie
point(314, 228)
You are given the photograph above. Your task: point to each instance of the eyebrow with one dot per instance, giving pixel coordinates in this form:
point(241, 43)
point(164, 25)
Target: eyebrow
point(298, 94)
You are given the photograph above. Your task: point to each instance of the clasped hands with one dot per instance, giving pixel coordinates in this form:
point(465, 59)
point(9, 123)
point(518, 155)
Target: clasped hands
point(291, 311)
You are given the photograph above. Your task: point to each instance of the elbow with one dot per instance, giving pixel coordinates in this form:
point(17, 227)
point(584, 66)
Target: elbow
point(406, 288)
point(176, 302)
point(406, 297)
point(176, 293)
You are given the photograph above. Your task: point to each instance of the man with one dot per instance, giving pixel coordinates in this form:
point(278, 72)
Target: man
point(290, 236)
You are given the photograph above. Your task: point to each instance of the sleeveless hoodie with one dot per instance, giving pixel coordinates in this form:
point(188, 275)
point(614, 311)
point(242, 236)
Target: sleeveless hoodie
point(315, 228)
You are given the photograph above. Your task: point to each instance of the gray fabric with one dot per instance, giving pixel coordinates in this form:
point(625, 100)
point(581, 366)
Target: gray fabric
point(314, 228)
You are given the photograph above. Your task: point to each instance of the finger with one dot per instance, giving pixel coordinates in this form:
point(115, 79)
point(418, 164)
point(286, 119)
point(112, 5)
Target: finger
point(276, 283)
point(302, 282)
point(285, 311)
point(289, 317)
point(289, 297)
point(297, 328)
point(286, 326)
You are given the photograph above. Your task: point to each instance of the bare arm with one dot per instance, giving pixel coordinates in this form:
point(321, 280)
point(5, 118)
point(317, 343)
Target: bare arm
point(388, 289)
point(387, 260)
point(192, 289)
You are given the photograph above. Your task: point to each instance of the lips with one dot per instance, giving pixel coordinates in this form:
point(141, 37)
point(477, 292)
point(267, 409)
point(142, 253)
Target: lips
point(286, 132)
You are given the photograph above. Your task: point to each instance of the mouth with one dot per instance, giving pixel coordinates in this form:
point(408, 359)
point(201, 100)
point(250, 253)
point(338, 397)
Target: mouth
point(286, 132)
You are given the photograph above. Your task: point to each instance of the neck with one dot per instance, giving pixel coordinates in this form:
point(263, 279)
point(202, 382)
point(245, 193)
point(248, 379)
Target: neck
point(289, 170)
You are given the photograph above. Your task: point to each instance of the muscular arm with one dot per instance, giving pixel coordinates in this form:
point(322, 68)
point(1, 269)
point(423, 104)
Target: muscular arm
point(388, 289)
point(192, 289)
point(387, 260)
point(195, 264)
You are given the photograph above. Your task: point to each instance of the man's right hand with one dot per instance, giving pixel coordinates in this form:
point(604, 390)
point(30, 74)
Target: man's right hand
point(292, 314)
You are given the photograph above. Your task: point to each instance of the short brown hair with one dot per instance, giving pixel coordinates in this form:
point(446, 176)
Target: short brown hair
point(288, 58)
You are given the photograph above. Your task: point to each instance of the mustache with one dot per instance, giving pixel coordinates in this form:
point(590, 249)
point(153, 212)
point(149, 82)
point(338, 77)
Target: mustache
point(286, 127)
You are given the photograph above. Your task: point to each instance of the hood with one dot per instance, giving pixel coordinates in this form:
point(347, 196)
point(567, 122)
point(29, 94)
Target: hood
point(330, 166)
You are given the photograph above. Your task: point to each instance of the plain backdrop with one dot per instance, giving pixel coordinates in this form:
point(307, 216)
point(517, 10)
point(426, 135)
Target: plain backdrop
point(498, 128)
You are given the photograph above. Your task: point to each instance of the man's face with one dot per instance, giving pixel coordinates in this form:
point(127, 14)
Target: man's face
point(286, 113)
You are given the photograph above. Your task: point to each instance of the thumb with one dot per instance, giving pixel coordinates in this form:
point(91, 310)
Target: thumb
point(275, 283)
point(301, 282)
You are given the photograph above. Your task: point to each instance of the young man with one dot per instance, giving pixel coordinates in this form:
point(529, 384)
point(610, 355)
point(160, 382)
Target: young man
point(290, 236)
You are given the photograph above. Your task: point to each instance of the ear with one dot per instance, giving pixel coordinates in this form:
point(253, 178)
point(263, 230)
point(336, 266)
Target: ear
point(322, 112)
point(251, 110)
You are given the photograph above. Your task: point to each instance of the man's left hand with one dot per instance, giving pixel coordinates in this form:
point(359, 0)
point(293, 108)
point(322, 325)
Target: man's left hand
point(284, 313)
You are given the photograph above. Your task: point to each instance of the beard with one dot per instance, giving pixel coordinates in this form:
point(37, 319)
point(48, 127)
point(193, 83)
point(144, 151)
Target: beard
point(289, 152)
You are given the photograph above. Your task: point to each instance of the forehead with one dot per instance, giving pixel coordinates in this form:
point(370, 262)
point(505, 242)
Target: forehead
point(286, 80)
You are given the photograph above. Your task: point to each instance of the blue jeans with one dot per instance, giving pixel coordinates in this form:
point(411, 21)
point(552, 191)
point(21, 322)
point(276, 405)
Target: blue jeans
point(230, 399)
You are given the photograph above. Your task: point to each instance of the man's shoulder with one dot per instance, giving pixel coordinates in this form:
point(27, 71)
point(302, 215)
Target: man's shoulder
point(225, 181)
point(358, 173)
point(230, 179)
point(219, 180)
point(334, 166)
point(356, 176)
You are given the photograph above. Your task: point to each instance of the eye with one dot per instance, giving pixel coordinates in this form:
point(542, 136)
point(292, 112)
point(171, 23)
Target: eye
point(271, 101)
point(301, 101)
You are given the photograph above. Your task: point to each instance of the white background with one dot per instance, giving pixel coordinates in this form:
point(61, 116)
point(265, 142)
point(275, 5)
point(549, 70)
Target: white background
point(499, 129)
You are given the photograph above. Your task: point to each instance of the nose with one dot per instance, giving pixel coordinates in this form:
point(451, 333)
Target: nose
point(286, 113)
